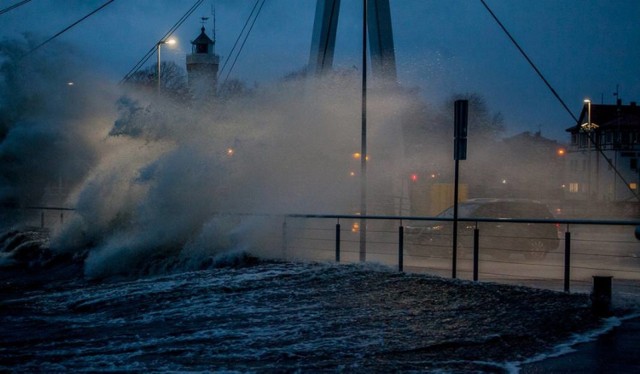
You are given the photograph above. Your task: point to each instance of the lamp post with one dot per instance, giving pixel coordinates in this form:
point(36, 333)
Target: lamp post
point(589, 127)
point(158, 44)
point(588, 130)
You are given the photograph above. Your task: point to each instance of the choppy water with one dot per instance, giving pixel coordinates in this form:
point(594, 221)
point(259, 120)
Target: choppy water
point(274, 316)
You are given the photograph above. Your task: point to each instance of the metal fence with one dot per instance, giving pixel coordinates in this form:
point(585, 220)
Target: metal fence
point(561, 254)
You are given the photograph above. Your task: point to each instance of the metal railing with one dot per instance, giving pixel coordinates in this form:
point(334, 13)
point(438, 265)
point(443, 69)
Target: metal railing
point(49, 216)
point(584, 248)
point(596, 247)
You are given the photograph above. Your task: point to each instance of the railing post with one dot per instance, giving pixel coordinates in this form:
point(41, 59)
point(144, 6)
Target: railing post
point(61, 217)
point(567, 259)
point(338, 241)
point(476, 251)
point(284, 237)
point(400, 247)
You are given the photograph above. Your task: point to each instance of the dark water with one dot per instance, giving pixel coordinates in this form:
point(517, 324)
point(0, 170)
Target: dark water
point(282, 317)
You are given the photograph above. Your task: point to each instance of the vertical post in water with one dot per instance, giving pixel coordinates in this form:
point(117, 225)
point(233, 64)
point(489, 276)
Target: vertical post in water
point(363, 144)
point(401, 247)
point(567, 259)
point(459, 153)
point(338, 241)
point(42, 219)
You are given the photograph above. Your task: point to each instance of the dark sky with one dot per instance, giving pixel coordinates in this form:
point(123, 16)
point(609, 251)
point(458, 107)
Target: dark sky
point(584, 48)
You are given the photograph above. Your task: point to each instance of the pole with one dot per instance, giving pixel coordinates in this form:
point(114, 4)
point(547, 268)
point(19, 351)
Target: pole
point(567, 260)
point(158, 66)
point(476, 252)
point(284, 238)
point(454, 257)
point(400, 248)
point(589, 150)
point(363, 143)
point(460, 120)
point(338, 241)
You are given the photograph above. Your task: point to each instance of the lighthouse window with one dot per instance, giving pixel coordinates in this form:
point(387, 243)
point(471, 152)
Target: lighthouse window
point(201, 48)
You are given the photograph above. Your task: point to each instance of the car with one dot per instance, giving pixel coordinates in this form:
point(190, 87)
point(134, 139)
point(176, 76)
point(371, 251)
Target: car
point(497, 239)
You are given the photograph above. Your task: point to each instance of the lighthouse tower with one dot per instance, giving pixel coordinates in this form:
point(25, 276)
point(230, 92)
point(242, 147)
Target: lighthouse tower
point(202, 66)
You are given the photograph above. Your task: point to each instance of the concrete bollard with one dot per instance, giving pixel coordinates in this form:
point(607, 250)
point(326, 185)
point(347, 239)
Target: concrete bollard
point(601, 296)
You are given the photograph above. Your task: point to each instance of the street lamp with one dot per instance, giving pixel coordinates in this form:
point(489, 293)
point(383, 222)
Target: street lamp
point(161, 42)
point(589, 127)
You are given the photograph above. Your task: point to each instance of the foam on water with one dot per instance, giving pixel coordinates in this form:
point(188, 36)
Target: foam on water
point(285, 316)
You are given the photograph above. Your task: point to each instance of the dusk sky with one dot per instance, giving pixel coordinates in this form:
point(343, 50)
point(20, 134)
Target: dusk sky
point(584, 48)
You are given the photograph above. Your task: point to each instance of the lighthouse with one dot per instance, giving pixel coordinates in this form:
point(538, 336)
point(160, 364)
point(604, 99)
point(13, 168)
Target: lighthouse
point(202, 66)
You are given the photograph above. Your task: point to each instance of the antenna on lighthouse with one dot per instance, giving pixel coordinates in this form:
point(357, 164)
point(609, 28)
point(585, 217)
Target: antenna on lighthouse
point(213, 14)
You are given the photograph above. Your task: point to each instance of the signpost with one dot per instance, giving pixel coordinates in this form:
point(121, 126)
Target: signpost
point(459, 153)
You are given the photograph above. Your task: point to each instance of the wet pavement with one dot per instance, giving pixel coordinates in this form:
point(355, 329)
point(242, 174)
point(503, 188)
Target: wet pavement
point(617, 351)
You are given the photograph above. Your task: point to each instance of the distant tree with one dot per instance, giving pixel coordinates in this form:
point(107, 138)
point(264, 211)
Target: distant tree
point(173, 82)
point(483, 123)
point(233, 88)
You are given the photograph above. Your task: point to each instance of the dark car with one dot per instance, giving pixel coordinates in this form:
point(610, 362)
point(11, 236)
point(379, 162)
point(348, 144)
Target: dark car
point(498, 239)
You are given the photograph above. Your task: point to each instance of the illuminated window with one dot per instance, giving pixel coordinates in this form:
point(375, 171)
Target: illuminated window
point(633, 186)
point(574, 187)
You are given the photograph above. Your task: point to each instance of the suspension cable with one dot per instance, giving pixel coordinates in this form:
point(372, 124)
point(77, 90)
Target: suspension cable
point(12, 7)
point(553, 91)
point(67, 28)
point(589, 134)
point(243, 42)
point(239, 36)
point(149, 53)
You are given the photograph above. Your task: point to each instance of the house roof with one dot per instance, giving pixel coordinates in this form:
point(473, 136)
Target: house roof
point(203, 38)
point(605, 115)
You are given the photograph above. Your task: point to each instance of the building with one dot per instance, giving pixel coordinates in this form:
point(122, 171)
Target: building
point(202, 66)
point(602, 160)
point(535, 167)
